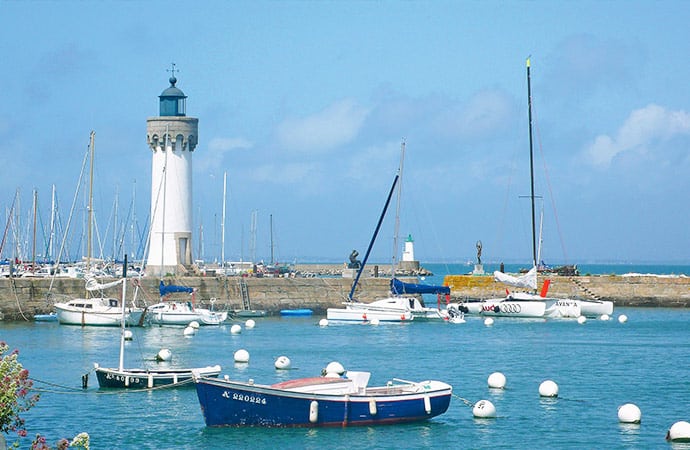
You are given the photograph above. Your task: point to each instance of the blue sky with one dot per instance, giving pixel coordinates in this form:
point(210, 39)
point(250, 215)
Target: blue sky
point(304, 104)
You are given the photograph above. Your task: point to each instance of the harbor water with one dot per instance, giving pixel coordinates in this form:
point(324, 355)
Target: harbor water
point(598, 366)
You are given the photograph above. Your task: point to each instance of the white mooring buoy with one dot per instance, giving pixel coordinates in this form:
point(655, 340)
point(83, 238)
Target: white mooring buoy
point(283, 363)
point(488, 321)
point(249, 324)
point(374, 321)
point(128, 335)
point(194, 324)
point(497, 380)
point(334, 369)
point(189, 331)
point(323, 322)
point(604, 317)
point(629, 413)
point(236, 329)
point(241, 356)
point(581, 319)
point(679, 432)
point(164, 355)
point(622, 318)
point(548, 388)
point(484, 409)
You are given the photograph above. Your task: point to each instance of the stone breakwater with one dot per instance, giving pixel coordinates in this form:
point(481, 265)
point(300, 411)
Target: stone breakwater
point(21, 298)
point(642, 290)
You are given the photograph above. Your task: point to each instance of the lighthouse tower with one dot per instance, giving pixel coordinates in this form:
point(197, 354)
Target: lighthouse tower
point(172, 138)
point(408, 263)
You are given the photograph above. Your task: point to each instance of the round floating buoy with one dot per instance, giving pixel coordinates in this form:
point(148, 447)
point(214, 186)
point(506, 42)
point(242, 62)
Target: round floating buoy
point(323, 322)
point(189, 331)
point(128, 335)
point(235, 329)
point(374, 321)
point(488, 321)
point(249, 324)
point(679, 432)
point(604, 317)
point(629, 413)
point(581, 319)
point(548, 389)
point(622, 318)
point(484, 409)
point(334, 369)
point(364, 316)
point(283, 363)
point(164, 355)
point(497, 380)
point(241, 356)
point(194, 324)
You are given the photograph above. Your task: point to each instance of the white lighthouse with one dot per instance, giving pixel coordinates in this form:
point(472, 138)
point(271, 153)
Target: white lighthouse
point(172, 138)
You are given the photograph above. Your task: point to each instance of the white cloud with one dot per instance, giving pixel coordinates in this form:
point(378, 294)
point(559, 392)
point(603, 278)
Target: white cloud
point(331, 127)
point(485, 114)
point(641, 130)
point(217, 148)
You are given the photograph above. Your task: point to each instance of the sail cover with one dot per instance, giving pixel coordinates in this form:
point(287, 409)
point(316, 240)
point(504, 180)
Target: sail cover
point(398, 287)
point(528, 280)
point(93, 285)
point(169, 289)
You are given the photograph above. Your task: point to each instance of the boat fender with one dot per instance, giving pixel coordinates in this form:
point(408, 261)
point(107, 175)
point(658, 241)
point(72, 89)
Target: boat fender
point(427, 404)
point(372, 407)
point(497, 309)
point(85, 380)
point(314, 411)
point(464, 309)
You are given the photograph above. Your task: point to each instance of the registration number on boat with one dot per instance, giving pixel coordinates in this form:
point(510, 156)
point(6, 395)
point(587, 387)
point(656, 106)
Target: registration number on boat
point(245, 398)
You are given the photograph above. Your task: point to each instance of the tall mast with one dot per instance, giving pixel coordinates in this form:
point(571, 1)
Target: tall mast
point(373, 238)
point(222, 224)
point(531, 166)
point(51, 240)
point(122, 319)
point(33, 250)
point(271, 217)
point(90, 210)
point(165, 186)
point(396, 231)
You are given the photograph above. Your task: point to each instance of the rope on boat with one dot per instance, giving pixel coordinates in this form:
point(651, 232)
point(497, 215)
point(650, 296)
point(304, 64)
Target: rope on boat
point(73, 390)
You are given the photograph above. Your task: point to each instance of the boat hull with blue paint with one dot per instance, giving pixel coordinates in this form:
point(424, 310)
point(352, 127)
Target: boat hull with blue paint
point(319, 402)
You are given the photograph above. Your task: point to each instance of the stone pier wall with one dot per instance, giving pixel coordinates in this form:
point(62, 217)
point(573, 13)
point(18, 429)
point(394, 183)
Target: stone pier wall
point(23, 297)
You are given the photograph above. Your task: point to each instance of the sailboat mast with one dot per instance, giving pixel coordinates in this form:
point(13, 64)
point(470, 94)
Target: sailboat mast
point(90, 210)
point(33, 251)
point(271, 222)
point(373, 238)
point(222, 225)
point(396, 232)
point(122, 322)
point(531, 165)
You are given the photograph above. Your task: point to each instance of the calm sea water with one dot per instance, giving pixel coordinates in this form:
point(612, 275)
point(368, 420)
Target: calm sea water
point(598, 365)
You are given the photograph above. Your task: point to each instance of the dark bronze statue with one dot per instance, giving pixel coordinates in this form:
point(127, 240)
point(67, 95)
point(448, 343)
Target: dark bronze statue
point(354, 262)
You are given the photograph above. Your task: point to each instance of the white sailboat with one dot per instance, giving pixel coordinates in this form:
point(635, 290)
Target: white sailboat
point(397, 307)
point(528, 304)
point(99, 310)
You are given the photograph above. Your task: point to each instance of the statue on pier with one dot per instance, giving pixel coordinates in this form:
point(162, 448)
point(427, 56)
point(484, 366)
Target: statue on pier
point(354, 262)
point(479, 252)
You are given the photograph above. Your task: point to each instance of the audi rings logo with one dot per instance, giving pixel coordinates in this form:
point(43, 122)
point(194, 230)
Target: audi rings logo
point(510, 308)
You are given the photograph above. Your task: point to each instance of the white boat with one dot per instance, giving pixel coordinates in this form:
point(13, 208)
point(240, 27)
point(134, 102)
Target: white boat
point(531, 304)
point(97, 311)
point(174, 312)
point(394, 308)
point(145, 378)
point(182, 313)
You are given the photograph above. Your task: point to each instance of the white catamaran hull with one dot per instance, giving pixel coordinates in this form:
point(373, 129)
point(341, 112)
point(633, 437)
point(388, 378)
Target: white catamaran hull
point(531, 306)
